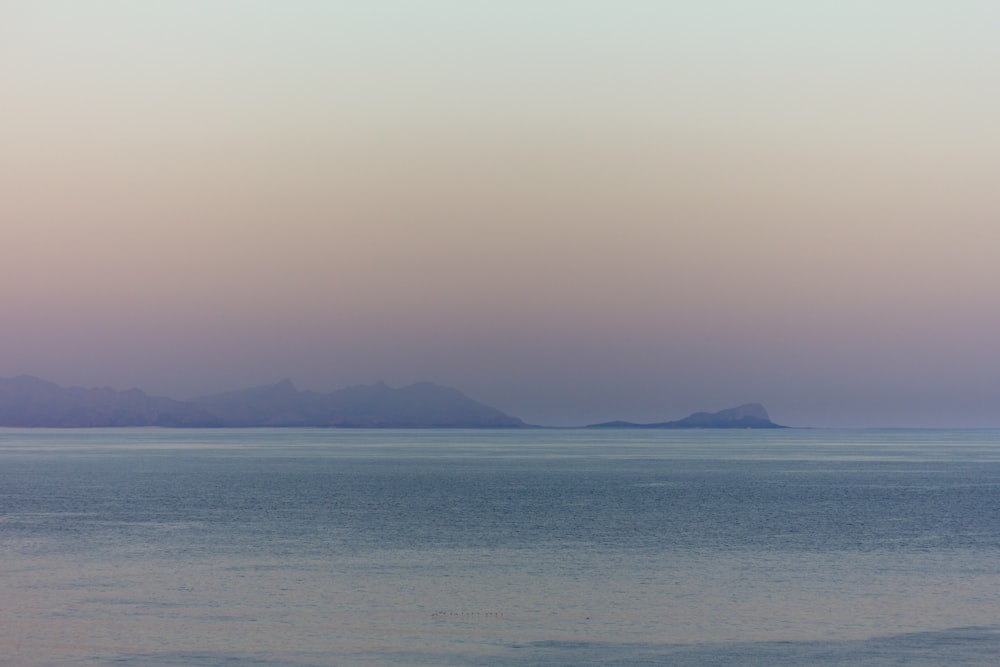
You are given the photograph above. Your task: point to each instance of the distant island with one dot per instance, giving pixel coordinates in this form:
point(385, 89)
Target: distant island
point(27, 401)
point(748, 415)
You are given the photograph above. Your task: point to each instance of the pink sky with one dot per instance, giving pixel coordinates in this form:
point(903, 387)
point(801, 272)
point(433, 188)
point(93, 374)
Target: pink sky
point(573, 211)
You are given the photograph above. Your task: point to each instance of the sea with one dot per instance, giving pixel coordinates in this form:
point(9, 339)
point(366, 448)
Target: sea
point(521, 547)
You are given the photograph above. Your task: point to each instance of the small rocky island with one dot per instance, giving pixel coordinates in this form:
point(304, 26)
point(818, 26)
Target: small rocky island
point(748, 415)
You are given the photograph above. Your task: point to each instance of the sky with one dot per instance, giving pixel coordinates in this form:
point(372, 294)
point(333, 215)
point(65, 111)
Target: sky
point(575, 211)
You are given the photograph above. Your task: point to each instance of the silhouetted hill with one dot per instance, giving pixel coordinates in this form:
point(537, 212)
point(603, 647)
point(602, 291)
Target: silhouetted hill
point(29, 401)
point(748, 415)
point(421, 405)
point(278, 404)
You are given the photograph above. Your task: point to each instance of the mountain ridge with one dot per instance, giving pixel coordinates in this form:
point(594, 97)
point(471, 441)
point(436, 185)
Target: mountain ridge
point(419, 405)
point(27, 401)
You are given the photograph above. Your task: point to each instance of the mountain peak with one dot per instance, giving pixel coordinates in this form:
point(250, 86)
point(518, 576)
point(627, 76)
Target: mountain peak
point(285, 386)
point(751, 410)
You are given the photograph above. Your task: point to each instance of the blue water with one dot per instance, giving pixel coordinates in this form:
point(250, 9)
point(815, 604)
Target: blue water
point(485, 548)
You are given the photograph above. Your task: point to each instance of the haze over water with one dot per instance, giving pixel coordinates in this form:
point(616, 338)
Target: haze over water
point(576, 212)
point(566, 547)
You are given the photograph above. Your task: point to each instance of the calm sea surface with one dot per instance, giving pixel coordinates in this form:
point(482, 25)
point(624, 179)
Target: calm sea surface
point(484, 548)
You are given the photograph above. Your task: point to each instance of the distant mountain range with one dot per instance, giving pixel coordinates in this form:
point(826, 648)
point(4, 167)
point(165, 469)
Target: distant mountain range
point(421, 405)
point(27, 401)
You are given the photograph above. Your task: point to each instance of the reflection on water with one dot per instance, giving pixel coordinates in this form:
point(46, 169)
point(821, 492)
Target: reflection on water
point(311, 547)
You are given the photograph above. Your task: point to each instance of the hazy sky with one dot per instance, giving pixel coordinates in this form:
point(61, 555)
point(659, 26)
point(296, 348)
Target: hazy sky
point(572, 210)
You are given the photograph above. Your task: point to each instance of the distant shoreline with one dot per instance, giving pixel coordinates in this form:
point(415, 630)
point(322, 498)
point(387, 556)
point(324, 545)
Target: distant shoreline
point(27, 401)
